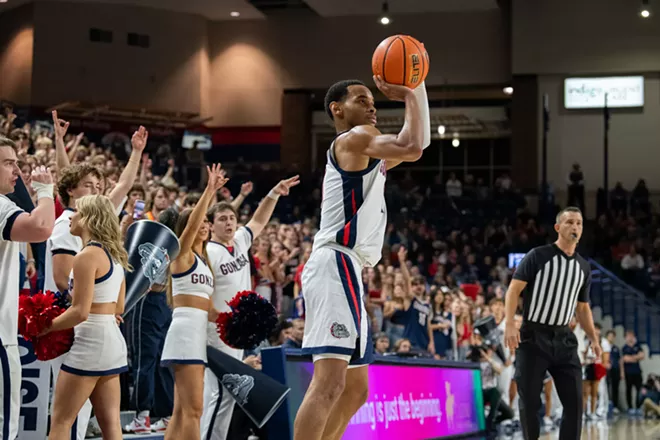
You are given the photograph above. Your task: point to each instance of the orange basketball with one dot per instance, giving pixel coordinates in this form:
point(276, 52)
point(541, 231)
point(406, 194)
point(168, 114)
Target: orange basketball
point(402, 60)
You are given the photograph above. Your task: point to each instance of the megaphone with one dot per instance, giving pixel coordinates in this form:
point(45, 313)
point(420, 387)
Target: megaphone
point(151, 248)
point(258, 395)
point(487, 328)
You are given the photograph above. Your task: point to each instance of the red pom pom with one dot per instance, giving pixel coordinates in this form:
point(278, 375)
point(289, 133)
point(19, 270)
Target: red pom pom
point(36, 314)
point(53, 344)
point(221, 323)
point(236, 300)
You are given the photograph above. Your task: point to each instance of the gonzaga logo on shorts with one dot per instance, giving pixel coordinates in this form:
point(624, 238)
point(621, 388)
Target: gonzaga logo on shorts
point(339, 331)
point(154, 261)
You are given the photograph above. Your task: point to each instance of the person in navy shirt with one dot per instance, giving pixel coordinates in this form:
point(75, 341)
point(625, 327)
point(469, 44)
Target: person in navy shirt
point(417, 317)
point(614, 373)
point(441, 326)
point(631, 354)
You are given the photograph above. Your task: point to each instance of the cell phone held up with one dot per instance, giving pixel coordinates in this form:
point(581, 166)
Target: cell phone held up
point(138, 210)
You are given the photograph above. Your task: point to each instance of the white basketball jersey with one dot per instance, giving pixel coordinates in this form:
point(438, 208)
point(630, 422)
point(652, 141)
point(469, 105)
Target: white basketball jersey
point(9, 273)
point(353, 210)
point(60, 242)
point(230, 267)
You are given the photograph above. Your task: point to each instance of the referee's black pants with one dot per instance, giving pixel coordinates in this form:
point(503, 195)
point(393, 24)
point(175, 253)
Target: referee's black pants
point(554, 350)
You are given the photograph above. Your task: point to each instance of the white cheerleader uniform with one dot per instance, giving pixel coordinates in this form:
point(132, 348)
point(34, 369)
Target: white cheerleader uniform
point(185, 342)
point(99, 348)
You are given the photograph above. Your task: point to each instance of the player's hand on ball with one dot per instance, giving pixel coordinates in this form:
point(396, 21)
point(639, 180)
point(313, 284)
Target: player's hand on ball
point(284, 186)
point(392, 91)
point(217, 177)
point(511, 336)
point(42, 175)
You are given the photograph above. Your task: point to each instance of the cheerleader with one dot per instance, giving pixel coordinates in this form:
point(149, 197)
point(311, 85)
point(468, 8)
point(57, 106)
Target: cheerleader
point(91, 367)
point(191, 288)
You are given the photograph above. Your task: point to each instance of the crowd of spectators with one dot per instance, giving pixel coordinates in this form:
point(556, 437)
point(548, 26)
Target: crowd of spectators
point(627, 238)
point(446, 256)
point(446, 247)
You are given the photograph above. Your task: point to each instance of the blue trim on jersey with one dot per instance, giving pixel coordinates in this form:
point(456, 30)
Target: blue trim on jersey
point(64, 251)
point(344, 265)
point(201, 258)
point(6, 232)
point(74, 430)
point(6, 391)
point(247, 228)
point(353, 192)
point(188, 272)
point(232, 253)
point(372, 164)
point(112, 264)
point(79, 372)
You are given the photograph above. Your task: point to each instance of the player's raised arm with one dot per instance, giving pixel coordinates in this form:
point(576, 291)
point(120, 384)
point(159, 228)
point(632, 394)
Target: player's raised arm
point(407, 145)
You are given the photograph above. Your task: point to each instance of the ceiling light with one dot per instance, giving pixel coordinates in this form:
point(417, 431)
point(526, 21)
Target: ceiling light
point(235, 14)
point(385, 16)
point(441, 129)
point(508, 90)
point(645, 12)
point(455, 142)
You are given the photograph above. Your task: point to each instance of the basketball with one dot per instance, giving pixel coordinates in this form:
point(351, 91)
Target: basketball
point(401, 60)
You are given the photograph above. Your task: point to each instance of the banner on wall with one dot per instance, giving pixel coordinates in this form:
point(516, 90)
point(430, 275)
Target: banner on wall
point(35, 389)
point(622, 92)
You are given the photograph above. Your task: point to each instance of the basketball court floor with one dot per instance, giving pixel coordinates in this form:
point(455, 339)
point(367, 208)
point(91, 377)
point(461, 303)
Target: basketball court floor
point(622, 428)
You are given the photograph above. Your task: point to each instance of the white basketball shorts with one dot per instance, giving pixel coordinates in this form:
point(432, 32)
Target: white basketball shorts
point(336, 321)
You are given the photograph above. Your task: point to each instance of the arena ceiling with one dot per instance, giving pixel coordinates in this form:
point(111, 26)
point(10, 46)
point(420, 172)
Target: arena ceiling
point(256, 9)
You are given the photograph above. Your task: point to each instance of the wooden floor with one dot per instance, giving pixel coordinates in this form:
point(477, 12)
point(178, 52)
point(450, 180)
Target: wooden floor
point(621, 428)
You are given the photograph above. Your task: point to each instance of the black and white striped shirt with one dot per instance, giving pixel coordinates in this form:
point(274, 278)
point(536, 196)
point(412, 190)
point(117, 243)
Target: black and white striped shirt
point(555, 283)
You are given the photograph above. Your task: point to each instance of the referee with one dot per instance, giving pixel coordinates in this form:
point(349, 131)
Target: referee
point(556, 282)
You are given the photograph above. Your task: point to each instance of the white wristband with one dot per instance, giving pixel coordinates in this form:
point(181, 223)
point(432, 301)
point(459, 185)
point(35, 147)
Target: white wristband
point(43, 190)
point(273, 195)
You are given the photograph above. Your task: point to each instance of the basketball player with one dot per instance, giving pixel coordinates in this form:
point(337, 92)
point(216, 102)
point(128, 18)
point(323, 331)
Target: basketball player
point(16, 226)
point(77, 181)
point(353, 220)
point(228, 253)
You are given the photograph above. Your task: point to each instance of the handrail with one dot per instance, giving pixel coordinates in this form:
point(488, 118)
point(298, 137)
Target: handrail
point(626, 305)
point(623, 284)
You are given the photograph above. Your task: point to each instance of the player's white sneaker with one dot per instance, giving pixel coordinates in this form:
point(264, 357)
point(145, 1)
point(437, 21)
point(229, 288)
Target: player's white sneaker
point(139, 425)
point(161, 425)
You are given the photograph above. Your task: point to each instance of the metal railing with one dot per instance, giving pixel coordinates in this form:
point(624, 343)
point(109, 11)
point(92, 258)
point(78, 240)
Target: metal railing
point(626, 306)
